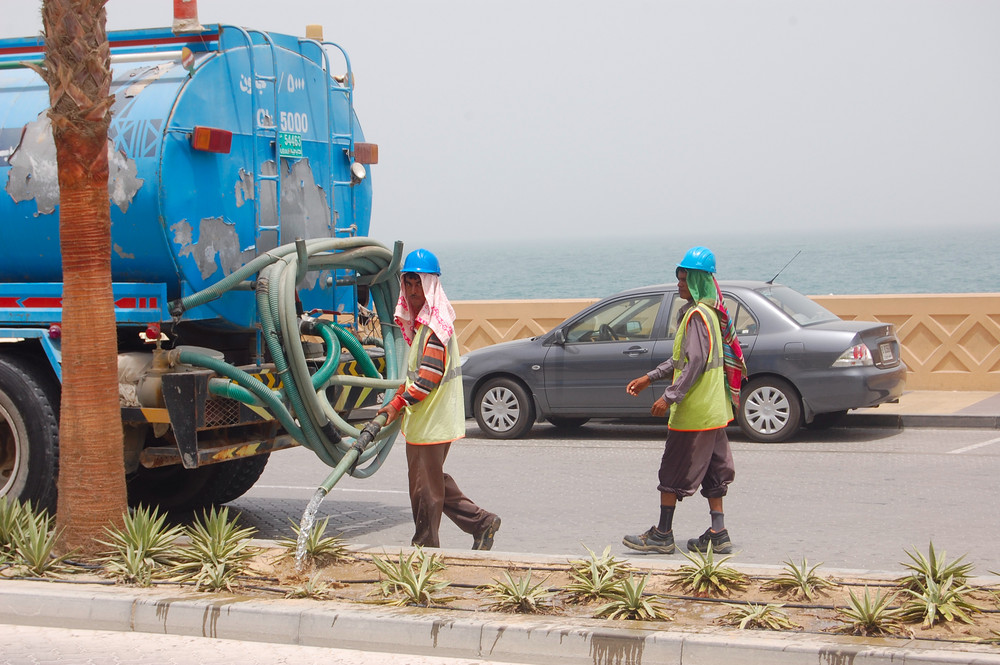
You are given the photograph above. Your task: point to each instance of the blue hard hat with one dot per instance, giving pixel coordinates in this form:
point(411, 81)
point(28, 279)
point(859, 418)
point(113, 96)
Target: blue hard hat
point(420, 260)
point(698, 258)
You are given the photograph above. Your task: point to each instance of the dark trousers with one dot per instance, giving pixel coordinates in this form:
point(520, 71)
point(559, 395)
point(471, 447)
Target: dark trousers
point(433, 492)
point(691, 459)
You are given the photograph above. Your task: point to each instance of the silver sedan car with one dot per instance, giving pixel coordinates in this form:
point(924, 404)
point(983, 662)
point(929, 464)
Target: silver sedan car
point(807, 367)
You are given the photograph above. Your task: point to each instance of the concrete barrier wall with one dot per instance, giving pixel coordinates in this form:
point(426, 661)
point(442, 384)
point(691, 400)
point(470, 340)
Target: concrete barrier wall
point(949, 342)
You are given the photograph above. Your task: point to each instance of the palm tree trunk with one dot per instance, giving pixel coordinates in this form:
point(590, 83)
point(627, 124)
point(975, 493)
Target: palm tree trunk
point(91, 485)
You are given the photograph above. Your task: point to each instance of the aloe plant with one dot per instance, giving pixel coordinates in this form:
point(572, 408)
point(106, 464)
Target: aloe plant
point(314, 588)
point(318, 547)
point(933, 567)
point(705, 576)
point(218, 553)
point(631, 603)
point(411, 580)
point(870, 616)
point(143, 548)
point(934, 602)
point(519, 596)
point(34, 544)
point(798, 580)
point(755, 615)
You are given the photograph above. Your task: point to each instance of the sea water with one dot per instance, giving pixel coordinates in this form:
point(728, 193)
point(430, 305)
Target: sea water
point(813, 262)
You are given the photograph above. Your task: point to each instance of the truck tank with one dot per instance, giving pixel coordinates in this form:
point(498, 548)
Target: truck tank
point(240, 202)
point(223, 145)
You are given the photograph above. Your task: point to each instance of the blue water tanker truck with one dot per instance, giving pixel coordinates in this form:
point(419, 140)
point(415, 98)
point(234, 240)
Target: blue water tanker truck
point(247, 292)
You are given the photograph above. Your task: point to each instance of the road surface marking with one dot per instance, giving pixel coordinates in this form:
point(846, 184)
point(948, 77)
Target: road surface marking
point(959, 451)
point(335, 489)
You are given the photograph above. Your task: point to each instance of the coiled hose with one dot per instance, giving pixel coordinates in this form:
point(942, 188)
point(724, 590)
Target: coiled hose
point(301, 404)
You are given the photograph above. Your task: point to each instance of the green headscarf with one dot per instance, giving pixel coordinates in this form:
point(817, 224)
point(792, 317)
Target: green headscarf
point(702, 287)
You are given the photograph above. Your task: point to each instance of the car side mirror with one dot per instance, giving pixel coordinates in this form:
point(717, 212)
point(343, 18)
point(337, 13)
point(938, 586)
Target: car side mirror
point(559, 338)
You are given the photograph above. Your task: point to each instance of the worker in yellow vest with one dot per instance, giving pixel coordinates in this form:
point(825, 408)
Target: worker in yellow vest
point(697, 449)
point(430, 402)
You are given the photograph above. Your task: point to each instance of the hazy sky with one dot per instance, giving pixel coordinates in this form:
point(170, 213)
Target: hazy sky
point(586, 118)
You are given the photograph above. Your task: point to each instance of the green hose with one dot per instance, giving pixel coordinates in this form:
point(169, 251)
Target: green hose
point(301, 405)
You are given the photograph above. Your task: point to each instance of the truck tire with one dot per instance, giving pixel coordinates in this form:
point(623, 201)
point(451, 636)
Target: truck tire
point(174, 488)
point(29, 431)
point(171, 488)
point(234, 479)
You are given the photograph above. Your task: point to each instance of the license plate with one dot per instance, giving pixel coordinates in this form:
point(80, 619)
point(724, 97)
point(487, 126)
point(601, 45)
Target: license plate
point(885, 348)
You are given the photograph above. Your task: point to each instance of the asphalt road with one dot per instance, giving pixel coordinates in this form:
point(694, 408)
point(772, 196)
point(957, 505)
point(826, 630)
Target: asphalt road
point(847, 498)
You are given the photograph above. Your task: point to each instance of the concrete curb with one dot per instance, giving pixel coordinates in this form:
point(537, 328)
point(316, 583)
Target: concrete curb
point(902, 421)
point(442, 633)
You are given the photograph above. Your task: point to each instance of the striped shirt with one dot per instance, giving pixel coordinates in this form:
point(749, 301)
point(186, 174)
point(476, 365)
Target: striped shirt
point(429, 374)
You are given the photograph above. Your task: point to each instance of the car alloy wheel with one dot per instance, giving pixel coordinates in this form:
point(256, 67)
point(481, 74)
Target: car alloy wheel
point(770, 410)
point(504, 409)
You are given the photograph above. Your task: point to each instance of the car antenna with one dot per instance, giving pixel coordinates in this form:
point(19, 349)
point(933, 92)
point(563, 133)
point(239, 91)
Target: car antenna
point(771, 281)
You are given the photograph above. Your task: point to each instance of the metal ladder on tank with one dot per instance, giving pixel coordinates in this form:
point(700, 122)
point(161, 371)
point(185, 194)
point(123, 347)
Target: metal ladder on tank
point(337, 140)
point(264, 131)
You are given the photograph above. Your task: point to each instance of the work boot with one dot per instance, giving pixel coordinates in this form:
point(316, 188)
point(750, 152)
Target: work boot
point(720, 542)
point(653, 540)
point(484, 539)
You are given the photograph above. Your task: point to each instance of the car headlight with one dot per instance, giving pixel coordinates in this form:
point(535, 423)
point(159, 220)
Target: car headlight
point(856, 356)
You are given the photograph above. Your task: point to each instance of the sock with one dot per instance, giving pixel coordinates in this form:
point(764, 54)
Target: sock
point(718, 520)
point(666, 519)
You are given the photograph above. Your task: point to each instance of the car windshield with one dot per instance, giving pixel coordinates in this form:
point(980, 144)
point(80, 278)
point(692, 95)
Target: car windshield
point(800, 308)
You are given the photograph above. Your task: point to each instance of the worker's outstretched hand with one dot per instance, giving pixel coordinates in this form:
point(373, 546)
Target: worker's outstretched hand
point(636, 386)
point(660, 408)
point(391, 413)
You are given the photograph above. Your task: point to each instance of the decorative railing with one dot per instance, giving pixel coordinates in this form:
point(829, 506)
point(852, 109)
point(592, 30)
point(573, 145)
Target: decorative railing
point(949, 341)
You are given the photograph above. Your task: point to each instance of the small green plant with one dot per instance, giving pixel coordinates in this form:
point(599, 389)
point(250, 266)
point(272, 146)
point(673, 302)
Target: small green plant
point(143, 548)
point(314, 588)
point(799, 580)
point(869, 616)
point(933, 567)
point(705, 576)
point(318, 547)
point(934, 602)
point(519, 596)
point(12, 515)
point(607, 562)
point(761, 617)
point(631, 603)
point(411, 581)
point(34, 542)
point(593, 583)
point(218, 553)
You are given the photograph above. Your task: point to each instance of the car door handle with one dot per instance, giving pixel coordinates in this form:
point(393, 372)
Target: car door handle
point(635, 351)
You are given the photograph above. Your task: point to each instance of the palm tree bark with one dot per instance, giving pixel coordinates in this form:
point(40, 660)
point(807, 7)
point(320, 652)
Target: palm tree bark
point(91, 486)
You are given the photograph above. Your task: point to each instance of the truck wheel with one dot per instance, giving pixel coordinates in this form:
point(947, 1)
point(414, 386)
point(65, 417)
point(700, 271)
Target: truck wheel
point(171, 487)
point(770, 410)
point(504, 409)
point(29, 432)
point(234, 479)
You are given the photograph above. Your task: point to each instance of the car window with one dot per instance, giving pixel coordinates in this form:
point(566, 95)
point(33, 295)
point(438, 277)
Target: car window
point(798, 307)
point(622, 320)
point(743, 320)
point(674, 319)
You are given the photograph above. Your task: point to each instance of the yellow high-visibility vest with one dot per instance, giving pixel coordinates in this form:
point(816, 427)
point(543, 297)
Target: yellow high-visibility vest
point(439, 417)
point(706, 405)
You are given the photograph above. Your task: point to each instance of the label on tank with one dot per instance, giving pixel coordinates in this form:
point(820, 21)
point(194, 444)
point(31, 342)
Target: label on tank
point(289, 145)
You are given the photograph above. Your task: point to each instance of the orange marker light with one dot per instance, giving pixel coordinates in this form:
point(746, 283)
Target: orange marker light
point(211, 139)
